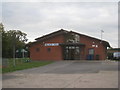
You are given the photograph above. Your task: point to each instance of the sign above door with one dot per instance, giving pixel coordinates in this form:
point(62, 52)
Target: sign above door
point(51, 44)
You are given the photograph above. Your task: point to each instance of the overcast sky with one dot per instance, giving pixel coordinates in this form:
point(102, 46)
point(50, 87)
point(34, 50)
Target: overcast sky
point(40, 18)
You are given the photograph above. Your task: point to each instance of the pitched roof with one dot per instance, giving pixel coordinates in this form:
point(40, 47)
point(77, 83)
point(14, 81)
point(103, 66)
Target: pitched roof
point(52, 34)
point(60, 32)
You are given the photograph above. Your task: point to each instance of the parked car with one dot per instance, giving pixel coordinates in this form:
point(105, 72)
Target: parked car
point(116, 55)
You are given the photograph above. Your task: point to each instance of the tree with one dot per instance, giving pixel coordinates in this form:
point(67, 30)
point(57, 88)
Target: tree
point(4, 40)
point(12, 39)
point(1, 30)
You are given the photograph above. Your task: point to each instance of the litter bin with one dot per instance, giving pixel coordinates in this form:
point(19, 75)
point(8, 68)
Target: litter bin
point(97, 57)
point(90, 57)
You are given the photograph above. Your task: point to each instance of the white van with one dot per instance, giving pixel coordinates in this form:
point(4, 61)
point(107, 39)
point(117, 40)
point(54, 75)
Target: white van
point(116, 55)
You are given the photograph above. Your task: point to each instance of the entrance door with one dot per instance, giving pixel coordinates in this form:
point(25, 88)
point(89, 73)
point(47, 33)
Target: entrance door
point(91, 54)
point(71, 52)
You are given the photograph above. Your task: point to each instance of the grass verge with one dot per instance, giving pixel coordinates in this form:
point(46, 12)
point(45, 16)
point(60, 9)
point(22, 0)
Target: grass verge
point(24, 65)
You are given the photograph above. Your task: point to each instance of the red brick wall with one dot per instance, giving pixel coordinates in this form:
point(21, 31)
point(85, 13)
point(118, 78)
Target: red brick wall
point(100, 50)
point(43, 54)
point(56, 51)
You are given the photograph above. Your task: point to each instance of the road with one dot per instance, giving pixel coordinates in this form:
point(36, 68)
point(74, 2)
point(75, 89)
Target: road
point(66, 74)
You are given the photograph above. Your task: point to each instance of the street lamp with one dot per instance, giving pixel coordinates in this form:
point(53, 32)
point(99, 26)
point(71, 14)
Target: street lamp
point(101, 35)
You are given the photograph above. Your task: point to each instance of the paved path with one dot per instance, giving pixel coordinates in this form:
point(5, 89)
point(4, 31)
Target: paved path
point(66, 74)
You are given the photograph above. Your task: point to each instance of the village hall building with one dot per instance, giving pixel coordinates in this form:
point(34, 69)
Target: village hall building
point(68, 45)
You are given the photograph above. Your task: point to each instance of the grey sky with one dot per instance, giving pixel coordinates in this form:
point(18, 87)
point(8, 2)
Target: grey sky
point(40, 18)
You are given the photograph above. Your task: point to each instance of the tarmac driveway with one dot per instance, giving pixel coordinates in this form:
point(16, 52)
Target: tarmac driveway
point(66, 74)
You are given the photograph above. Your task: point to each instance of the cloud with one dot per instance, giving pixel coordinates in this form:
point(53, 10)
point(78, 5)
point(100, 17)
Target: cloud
point(0, 12)
point(37, 19)
point(60, 0)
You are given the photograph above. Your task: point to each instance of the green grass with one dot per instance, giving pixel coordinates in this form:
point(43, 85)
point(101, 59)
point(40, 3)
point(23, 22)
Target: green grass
point(21, 65)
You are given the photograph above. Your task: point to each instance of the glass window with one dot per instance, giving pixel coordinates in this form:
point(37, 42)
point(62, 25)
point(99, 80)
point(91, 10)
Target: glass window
point(96, 45)
point(77, 38)
point(37, 49)
point(72, 47)
point(77, 47)
point(67, 47)
point(77, 50)
point(93, 45)
point(91, 51)
point(48, 49)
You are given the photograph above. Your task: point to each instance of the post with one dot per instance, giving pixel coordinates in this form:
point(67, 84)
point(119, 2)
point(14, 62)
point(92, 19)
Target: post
point(14, 63)
point(23, 52)
point(101, 35)
point(14, 55)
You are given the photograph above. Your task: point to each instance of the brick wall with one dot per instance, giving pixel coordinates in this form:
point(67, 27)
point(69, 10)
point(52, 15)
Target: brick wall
point(56, 51)
point(100, 50)
point(44, 54)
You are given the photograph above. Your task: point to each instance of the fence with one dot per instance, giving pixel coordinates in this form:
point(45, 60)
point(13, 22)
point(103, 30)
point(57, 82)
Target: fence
point(11, 62)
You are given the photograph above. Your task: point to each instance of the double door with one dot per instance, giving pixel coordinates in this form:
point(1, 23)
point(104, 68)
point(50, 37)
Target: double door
point(71, 53)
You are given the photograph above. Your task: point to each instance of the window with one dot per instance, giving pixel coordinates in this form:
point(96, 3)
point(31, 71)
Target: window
point(96, 46)
point(37, 49)
point(91, 51)
point(67, 47)
point(77, 38)
point(48, 49)
point(93, 45)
